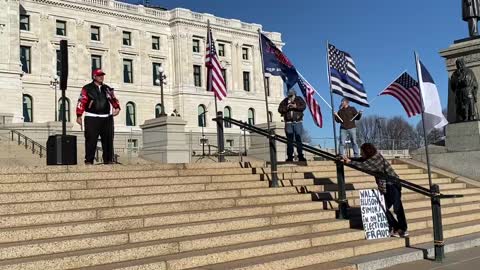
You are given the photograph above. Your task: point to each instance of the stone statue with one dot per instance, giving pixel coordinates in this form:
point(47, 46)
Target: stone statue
point(464, 85)
point(470, 14)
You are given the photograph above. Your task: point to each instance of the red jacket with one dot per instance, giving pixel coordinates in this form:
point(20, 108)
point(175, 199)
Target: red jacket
point(96, 101)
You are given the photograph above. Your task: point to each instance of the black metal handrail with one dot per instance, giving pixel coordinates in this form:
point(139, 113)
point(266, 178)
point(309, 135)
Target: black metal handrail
point(332, 157)
point(433, 193)
point(35, 146)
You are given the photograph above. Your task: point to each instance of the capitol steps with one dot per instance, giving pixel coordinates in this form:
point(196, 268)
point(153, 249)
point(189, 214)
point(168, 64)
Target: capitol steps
point(202, 216)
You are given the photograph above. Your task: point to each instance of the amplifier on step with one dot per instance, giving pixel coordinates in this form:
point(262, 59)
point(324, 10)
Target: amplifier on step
point(62, 150)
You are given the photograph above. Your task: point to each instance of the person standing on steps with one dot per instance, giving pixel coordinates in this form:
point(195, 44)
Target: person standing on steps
point(100, 105)
point(347, 116)
point(373, 161)
point(291, 109)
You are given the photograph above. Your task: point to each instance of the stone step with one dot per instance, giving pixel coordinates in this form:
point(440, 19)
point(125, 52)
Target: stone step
point(148, 230)
point(284, 253)
point(9, 251)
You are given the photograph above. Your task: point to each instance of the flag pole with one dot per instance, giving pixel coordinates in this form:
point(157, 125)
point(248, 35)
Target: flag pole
point(220, 135)
point(271, 140)
point(417, 64)
point(332, 103)
point(209, 79)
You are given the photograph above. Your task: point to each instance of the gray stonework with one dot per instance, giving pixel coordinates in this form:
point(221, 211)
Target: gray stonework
point(463, 136)
point(176, 29)
point(259, 148)
point(165, 140)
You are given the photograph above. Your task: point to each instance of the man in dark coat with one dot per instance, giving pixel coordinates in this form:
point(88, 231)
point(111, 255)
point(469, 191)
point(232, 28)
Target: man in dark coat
point(470, 14)
point(291, 108)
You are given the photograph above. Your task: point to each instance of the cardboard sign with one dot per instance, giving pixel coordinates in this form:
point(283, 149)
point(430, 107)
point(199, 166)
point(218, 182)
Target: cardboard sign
point(375, 223)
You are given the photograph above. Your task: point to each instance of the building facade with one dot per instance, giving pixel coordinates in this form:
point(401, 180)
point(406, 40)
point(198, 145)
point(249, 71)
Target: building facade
point(129, 42)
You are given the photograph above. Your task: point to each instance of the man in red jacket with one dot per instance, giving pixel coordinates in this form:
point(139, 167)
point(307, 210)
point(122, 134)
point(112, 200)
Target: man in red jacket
point(100, 105)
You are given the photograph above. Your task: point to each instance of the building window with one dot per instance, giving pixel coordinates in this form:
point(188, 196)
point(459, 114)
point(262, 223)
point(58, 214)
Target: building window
point(156, 73)
point(251, 116)
point(158, 110)
point(61, 28)
point(221, 49)
point(196, 46)
point(132, 144)
point(24, 22)
point(229, 143)
point(197, 75)
point(27, 108)
point(96, 62)
point(245, 53)
point(127, 71)
point(270, 117)
point(267, 85)
point(127, 38)
point(155, 43)
point(130, 111)
point(25, 59)
point(95, 33)
point(67, 109)
point(227, 113)
point(202, 118)
point(246, 81)
point(224, 75)
point(59, 63)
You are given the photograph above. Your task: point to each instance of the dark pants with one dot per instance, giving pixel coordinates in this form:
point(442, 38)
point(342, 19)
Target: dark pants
point(294, 131)
point(94, 127)
point(393, 197)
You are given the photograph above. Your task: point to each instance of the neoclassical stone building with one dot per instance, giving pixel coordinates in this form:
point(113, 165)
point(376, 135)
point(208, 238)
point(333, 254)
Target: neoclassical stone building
point(128, 42)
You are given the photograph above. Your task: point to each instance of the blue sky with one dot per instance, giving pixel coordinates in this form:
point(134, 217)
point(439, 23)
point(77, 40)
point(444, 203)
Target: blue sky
point(381, 35)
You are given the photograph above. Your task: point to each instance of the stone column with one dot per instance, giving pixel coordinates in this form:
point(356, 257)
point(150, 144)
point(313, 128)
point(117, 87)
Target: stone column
point(165, 140)
point(259, 147)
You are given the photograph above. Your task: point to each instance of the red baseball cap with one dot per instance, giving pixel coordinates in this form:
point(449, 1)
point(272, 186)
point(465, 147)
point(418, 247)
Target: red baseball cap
point(97, 72)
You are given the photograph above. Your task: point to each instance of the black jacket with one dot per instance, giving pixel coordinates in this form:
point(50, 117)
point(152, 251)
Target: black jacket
point(96, 101)
point(290, 114)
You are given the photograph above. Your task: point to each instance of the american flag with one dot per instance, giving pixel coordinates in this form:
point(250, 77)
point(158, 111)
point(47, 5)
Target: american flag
point(308, 92)
point(406, 90)
point(344, 77)
point(215, 80)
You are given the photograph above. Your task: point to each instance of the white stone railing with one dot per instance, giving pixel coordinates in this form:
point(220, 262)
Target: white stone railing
point(170, 14)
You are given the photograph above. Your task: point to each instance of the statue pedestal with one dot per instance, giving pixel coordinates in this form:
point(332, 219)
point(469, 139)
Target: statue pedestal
point(259, 146)
point(470, 51)
point(165, 140)
point(463, 136)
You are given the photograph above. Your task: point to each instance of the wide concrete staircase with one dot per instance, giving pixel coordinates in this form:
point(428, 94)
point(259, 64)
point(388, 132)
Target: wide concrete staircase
point(201, 216)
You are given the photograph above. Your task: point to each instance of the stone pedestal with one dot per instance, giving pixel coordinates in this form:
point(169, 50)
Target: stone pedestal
point(165, 140)
point(259, 147)
point(470, 51)
point(463, 136)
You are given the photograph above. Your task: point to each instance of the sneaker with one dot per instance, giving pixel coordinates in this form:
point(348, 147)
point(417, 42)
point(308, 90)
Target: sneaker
point(302, 159)
point(88, 163)
point(403, 233)
point(394, 234)
point(289, 160)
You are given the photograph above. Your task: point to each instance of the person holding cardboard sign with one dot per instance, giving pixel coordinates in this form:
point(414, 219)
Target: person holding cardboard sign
point(372, 160)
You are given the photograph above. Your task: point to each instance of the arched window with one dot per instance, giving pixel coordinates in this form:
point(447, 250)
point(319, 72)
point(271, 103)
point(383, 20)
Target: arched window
point(202, 118)
point(131, 117)
point(67, 109)
point(251, 116)
point(27, 108)
point(227, 112)
point(270, 117)
point(158, 110)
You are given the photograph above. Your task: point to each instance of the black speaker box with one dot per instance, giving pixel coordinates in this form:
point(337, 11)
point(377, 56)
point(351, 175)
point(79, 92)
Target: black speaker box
point(62, 150)
point(63, 64)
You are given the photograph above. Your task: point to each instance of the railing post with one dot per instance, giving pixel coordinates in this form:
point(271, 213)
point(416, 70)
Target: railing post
point(342, 196)
point(33, 147)
point(26, 143)
point(437, 224)
point(18, 136)
point(273, 157)
point(220, 137)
